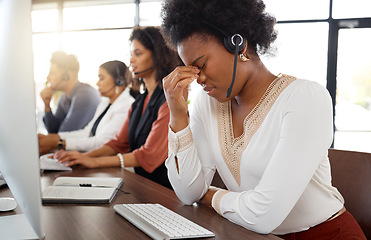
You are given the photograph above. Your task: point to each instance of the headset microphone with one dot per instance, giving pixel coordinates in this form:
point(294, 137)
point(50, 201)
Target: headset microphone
point(136, 73)
point(237, 44)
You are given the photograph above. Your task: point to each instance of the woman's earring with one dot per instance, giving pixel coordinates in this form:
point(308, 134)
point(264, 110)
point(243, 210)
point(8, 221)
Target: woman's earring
point(243, 58)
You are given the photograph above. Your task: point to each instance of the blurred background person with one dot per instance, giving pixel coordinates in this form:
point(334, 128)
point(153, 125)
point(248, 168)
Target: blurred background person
point(142, 141)
point(77, 105)
point(114, 86)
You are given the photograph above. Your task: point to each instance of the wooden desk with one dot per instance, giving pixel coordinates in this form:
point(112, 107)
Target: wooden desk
point(100, 221)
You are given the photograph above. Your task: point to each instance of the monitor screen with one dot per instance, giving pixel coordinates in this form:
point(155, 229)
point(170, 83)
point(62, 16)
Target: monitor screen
point(18, 135)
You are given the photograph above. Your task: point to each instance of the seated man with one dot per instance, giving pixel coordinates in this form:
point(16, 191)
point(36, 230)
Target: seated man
point(77, 105)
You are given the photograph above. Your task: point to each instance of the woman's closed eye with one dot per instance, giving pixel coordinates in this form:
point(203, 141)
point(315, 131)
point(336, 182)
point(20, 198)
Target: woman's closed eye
point(202, 66)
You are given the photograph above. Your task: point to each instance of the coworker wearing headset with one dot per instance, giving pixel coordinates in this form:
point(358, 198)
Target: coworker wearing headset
point(76, 107)
point(142, 141)
point(268, 136)
point(114, 87)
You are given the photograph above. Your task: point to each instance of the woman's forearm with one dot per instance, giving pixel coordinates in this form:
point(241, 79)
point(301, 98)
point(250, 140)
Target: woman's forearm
point(101, 152)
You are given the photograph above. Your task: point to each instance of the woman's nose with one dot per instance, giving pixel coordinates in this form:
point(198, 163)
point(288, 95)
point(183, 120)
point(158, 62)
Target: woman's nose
point(201, 79)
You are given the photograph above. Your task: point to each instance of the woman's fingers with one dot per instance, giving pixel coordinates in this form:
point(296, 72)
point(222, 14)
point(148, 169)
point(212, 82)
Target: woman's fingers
point(83, 160)
point(66, 156)
point(72, 162)
point(177, 82)
point(71, 158)
point(181, 81)
point(180, 78)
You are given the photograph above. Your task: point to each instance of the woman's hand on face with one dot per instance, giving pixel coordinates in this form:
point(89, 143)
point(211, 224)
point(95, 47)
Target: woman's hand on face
point(71, 158)
point(176, 90)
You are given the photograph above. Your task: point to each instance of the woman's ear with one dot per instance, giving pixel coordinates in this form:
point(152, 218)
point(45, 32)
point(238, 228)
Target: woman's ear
point(243, 55)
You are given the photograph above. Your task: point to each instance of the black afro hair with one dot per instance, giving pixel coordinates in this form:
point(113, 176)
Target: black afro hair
point(182, 18)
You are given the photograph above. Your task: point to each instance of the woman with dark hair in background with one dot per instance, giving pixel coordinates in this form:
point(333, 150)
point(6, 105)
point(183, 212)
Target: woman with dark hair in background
point(142, 141)
point(268, 136)
point(114, 86)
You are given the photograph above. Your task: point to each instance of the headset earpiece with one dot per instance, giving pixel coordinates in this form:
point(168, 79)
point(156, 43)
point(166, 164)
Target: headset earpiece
point(119, 80)
point(65, 76)
point(230, 43)
point(229, 40)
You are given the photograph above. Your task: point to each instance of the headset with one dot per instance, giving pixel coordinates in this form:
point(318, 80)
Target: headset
point(119, 79)
point(65, 76)
point(234, 43)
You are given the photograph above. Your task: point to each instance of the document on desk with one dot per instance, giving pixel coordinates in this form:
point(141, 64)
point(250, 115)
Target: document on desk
point(82, 190)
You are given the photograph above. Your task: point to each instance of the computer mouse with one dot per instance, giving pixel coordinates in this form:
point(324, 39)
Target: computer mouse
point(7, 204)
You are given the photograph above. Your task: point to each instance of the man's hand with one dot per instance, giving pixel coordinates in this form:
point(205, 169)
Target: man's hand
point(46, 94)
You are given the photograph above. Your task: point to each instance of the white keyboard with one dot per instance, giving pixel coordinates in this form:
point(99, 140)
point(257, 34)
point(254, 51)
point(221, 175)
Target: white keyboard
point(160, 222)
point(50, 164)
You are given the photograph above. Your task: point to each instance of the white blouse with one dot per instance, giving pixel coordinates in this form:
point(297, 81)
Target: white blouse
point(107, 129)
point(277, 172)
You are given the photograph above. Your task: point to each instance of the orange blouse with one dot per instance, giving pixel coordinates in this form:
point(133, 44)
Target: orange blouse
point(155, 150)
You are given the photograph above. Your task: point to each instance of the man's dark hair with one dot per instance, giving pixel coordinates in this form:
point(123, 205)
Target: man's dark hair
point(67, 62)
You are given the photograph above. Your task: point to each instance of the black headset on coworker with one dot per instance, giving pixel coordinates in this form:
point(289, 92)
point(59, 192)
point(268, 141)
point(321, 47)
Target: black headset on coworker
point(234, 43)
point(118, 80)
point(65, 76)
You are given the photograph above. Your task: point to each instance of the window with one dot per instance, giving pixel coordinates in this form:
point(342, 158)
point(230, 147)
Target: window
point(343, 65)
point(96, 47)
point(353, 97)
point(298, 10)
point(76, 17)
point(149, 12)
point(321, 40)
point(351, 9)
point(40, 13)
point(301, 51)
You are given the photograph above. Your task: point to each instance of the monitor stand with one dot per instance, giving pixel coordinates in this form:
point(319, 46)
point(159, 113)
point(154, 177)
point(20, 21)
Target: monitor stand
point(16, 227)
point(2, 181)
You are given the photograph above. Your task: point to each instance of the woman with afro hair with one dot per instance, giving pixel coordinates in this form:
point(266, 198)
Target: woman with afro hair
point(142, 141)
point(268, 136)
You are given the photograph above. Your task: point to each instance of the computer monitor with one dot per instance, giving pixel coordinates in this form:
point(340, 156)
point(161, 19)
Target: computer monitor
point(18, 135)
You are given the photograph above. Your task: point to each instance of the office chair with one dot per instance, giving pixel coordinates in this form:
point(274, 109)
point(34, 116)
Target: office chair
point(351, 175)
